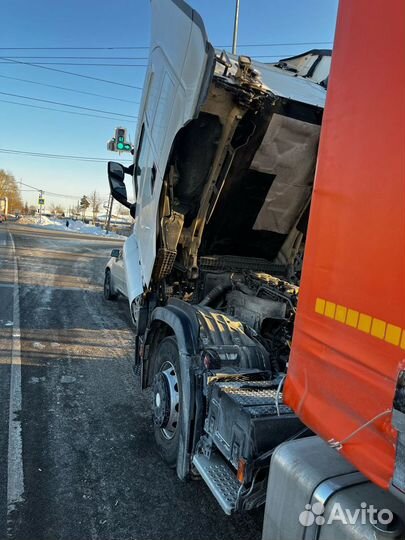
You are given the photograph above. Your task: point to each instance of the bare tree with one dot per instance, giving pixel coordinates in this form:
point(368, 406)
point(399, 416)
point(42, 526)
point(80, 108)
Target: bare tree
point(57, 210)
point(95, 204)
point(76, 210)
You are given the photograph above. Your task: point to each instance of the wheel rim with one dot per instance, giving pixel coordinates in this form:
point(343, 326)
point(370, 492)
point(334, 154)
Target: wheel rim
point(166, 400)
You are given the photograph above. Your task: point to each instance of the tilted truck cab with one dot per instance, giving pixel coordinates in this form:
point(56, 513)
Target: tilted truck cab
point(222, 186)
point(222, 182)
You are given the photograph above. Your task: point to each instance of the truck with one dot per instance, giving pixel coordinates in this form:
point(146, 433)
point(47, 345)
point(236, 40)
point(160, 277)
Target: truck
point(242, 205)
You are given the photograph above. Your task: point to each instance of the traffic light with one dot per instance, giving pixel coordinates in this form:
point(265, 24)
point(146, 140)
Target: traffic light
point(120, 140)
point(111, 145)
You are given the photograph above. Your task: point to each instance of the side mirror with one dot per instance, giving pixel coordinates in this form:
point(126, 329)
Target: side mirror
point(116, 176)
point(115, 253)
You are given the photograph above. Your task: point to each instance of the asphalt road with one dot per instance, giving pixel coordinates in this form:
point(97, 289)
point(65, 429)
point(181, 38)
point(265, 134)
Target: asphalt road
point(78, 460)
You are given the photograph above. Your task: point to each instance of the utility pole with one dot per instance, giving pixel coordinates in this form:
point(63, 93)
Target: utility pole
point(109, 212)
point(236, 28)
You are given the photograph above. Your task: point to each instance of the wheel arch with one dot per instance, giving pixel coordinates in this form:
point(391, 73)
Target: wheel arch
point(176, 319)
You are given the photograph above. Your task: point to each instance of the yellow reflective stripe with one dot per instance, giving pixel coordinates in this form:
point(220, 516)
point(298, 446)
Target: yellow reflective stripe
point(378, 328)
point(330, 309)
point(393, 334)
point(365, 323)
point(341, 313)
point(320, 306)
point(352, 318)
point(361, 321)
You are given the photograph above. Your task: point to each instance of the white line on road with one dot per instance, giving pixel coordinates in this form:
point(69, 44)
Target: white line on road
point(15, 473)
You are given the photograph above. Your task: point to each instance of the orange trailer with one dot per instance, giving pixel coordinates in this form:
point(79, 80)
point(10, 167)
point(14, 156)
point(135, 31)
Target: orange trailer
point(348, 351)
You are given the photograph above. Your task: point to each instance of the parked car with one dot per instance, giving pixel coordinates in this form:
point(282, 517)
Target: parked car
point(114, 278)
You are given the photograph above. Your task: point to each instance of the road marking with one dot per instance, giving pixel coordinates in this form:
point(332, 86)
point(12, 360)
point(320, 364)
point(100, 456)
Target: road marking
point(15, 473)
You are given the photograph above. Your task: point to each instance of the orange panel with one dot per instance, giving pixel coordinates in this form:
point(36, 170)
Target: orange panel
point(349, 340)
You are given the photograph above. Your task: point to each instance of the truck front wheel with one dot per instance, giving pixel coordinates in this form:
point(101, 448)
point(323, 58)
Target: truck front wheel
point(166, 400)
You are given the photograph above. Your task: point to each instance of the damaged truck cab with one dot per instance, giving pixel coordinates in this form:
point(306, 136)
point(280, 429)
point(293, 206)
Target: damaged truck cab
point(223, 177)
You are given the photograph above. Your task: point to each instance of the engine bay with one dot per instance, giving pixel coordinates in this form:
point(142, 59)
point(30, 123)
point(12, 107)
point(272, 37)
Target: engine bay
point(263, 303)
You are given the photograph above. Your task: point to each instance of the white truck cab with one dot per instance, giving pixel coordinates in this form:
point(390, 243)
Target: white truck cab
point(222, 179)
point(196, 103)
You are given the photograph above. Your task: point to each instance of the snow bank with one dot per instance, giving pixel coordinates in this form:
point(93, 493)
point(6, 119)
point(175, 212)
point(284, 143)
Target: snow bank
point(34, 220)
point(60, 225)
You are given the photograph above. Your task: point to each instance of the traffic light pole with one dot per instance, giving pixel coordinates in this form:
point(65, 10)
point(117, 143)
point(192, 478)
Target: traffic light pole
point(109, 212)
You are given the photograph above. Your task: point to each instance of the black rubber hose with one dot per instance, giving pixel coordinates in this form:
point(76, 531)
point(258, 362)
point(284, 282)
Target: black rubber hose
point(214, 294)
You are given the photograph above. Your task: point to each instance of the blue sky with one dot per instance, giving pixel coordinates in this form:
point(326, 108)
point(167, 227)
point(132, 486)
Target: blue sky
point(91, 23)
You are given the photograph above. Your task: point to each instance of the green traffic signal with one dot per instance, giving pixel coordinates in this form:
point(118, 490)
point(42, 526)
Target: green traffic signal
point(124, 146)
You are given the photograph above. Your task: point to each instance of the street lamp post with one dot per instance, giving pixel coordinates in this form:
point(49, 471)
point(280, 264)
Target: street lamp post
point(235, 28)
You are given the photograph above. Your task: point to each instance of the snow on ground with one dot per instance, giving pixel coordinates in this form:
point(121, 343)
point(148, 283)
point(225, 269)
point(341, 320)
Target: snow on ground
point(60, 225)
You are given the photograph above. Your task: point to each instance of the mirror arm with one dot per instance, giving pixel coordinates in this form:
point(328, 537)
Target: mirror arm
point(129, 170)
point(127, 204)
point(122, 201)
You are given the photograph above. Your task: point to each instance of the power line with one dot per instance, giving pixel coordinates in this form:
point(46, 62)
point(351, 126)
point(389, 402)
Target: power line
point(291, 43)
point(64, 104)
point(50, 156)
point(48, 192)
point(285, 55)
point(55, 156)
point(62, 111)
point(27, 185)
point(69, 89)
point(40, 64)
point(70, 73)
point(51, 194)
point(82, 57)
point(70, 48)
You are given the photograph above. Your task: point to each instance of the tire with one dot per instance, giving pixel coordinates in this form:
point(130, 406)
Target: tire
point(108, 290)
point(167, 441)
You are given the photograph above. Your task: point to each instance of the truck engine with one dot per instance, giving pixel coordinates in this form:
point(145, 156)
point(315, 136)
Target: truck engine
point(265, 304)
